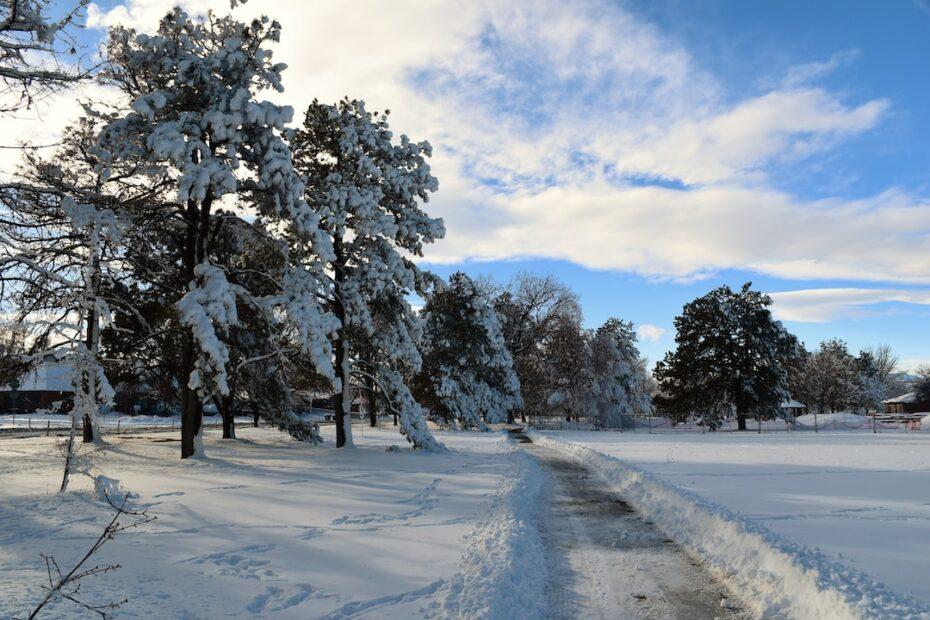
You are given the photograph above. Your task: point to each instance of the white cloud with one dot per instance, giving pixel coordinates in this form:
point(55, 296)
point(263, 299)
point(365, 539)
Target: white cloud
point(828, 304)
point(650, 333)
point(808, 72)
point(540, 112)
point(911, 364)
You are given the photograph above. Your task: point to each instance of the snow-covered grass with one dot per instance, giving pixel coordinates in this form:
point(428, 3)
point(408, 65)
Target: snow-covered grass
point(269, 527)
point(841, 421)
point(109, 421)
point(828, 525)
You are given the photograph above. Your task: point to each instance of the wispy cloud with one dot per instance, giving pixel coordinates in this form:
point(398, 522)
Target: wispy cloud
point(829, 304)
point(805, 73)
point(550, 119)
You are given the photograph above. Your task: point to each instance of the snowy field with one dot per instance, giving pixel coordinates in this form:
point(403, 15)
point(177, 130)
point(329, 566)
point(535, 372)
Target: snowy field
point(111, 422)
point(266, 526)
point(862, 499)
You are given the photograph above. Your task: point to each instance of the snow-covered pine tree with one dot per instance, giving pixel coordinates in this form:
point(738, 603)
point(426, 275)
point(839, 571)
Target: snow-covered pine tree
point(196, 116)
point(619, 386)
point(367, 189)
point(869, 389)
point(268, 355)
point(830, 377)
point(730, 358)
point(467, 375)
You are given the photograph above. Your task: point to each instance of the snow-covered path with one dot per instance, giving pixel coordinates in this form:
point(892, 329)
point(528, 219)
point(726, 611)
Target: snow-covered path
point(605, 561)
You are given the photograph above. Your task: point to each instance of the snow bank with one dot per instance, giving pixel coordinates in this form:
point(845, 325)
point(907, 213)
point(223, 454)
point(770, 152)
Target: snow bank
point(503, 569)
point(776, 578)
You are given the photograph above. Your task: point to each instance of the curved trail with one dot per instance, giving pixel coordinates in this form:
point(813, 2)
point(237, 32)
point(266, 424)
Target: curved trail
point(605, 561)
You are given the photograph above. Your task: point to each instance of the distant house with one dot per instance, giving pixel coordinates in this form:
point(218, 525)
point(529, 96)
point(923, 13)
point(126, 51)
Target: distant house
point(793, 407)
point(40, 388)
point(906, 403)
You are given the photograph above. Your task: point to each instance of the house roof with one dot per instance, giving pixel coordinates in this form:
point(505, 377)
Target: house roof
point(792, 404)
point(910, 397)
point(51, 375)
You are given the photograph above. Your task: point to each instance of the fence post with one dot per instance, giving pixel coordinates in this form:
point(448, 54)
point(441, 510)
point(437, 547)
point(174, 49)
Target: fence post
point(48, 428)
point(117, 425)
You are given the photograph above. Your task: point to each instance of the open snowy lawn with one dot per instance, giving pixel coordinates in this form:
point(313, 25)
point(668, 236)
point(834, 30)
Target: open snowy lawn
point(863, 499)
point(265, 526)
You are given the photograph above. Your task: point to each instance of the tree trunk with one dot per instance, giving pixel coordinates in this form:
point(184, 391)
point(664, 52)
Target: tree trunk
point(90, 342)
point(188, 397)
point(255, 420)
point(229, 417)
point(197, 218)
point(87, 432)
point(740, 421)
point(229, 427)
point(395, 419)
point(372, 400)
point(342, 399)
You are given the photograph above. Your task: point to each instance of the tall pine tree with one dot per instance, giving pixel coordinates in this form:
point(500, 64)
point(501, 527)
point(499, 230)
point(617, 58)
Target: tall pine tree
point(195, 115)
point(730, 358)
point(467, 375)
point(368, 189)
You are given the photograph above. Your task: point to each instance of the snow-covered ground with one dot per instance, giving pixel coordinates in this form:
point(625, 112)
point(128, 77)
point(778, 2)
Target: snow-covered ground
point(110, 421)
point(266, 526)
point(756, 504)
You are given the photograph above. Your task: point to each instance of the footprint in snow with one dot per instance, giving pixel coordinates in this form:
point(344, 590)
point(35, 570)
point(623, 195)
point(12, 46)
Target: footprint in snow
point(173, 493)
point(237, 562)
point(423, 502)
point(311, 531)
point(275, 598)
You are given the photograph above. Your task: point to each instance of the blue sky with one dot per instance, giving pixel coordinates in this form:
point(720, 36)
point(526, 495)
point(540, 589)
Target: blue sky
point(646, 151)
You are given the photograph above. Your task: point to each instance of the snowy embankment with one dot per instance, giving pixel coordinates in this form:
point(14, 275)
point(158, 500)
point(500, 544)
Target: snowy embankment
point(777, 577)
point(269, 527)
point(504, 566)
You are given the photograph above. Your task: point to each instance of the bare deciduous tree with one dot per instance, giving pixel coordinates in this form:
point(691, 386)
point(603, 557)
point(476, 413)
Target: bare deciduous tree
point(67, 586)
point(32, 44)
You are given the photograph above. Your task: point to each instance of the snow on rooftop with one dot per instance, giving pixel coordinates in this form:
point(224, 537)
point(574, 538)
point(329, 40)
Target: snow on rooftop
point(49, 376)
point(910, 397)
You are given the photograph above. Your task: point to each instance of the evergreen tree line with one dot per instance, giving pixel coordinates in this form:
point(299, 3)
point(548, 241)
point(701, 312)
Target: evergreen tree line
point(186, 245)
point(732, 359)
